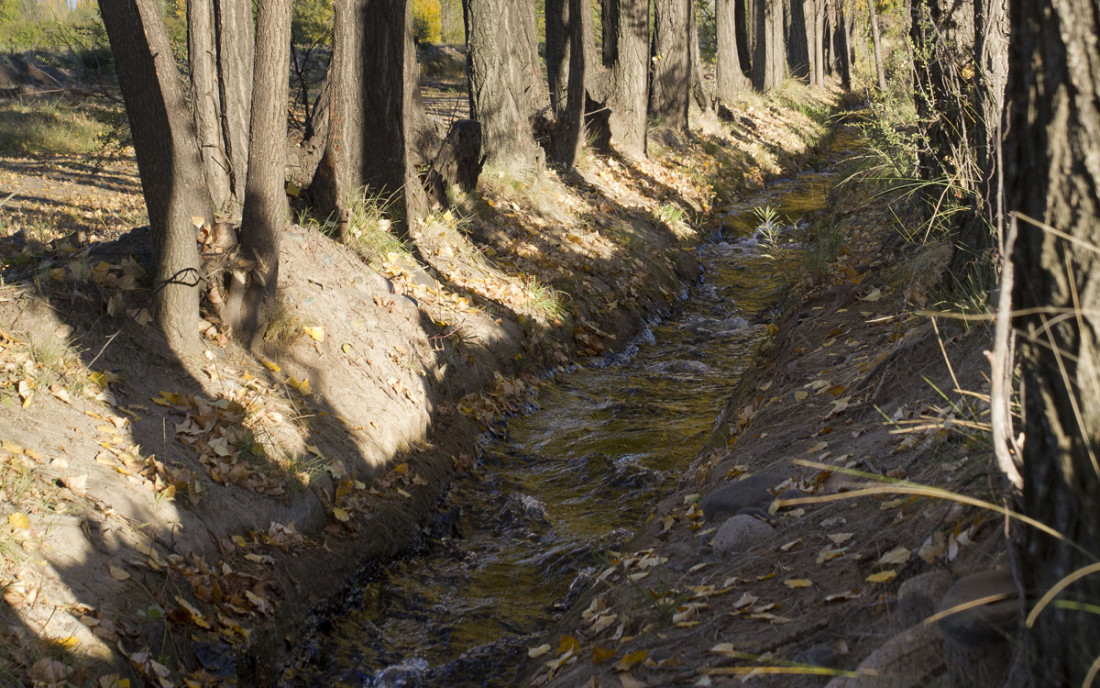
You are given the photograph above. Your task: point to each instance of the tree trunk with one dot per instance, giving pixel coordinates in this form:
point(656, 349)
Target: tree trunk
point(504, 92)
point(880, 69)
point(842, 56)
point(670, 86)
point(565, 66)
point(741, 26)
point(731, 79)
point(374, 112)
point(219, 41)
point(202, 56)
point(626, 51)
point(235, 36)
point(699, 91)
point(798, 49)
point(168, 161)
point(815, 40)
point(1053, 176)
point(768, 58)
point(265, 206)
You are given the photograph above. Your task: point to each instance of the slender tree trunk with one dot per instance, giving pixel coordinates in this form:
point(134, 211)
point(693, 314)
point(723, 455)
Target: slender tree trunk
point(1053, 176)
point(798, 48)
point(741, 26)
point(815, 40)
point(219, 41)
point(168, 161)
point(768, 59)
point(670, 86)
point(880, 69)
point(235, 36)
point(699, 91)
point(202, 55)
point(265, 206)
point(731, 79)
point(504, 94)
point(842, 55)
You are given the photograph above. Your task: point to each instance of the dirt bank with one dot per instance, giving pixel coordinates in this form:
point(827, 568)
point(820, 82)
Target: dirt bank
point(173, 521)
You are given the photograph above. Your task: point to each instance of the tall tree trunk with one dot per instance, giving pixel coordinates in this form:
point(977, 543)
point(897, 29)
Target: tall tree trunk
point(731, 79)
point(504, 93)
point(815, 40)
point(798, 47)
point(670, 86)
point(626, 52)
point(768, 59)
point(699, 91)
point(742, 25)
point(880, 69)
point(842, 55)
point(236, 45)
point(565, 65)
point(265, 206)
point(1053, 176)
point(219, 41)
point(202, 56)
point(374, 111)
point(168, 161)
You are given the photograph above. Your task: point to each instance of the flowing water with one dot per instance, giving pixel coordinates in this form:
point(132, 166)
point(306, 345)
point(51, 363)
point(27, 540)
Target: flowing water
point(568, 482)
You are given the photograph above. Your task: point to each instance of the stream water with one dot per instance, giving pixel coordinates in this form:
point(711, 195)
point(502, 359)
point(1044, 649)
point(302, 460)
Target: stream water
point(569, 481)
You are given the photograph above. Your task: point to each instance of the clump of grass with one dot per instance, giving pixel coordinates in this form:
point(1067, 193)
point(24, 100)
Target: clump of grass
point(47, 126)
point(826, 242)
point(545, 300)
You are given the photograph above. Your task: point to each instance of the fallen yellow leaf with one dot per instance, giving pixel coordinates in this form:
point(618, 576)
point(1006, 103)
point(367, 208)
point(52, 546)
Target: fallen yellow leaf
point(882, 576)
point(793, 583)
point(19, 520)
point(627, 662)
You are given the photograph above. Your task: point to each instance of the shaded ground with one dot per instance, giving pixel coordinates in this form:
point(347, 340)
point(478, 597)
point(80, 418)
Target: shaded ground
point(174, 520)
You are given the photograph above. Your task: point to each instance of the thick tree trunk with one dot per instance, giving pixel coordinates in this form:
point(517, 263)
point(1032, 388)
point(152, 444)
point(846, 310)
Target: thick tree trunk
point(505, 92)
point(670, 85)
point(374, 112)
point(731, 79)
point(1053, 176)
point(798, 49)
point(168, 160)
point(265, 208)
point(565, 65)
point(768, 58)
point(626, 52)
point(880, 69)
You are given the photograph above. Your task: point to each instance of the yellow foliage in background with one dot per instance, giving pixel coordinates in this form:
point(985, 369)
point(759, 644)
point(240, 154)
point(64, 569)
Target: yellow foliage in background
point(427, 21)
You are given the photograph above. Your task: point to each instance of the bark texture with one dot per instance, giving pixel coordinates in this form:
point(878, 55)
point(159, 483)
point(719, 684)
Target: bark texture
point(768, 58)
point(168, 160)
point(798, 47)
point(1053, 176)
point(670, 85)
point(626, 52)
point(566, 32)
point(375, 112)
point(876, 40)
point(220, 48)
point(265, 206)
point(840, 39)
point(729, 76)
point(505, 81)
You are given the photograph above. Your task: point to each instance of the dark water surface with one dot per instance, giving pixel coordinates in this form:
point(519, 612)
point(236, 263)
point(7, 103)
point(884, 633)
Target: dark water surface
point(571, 480)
